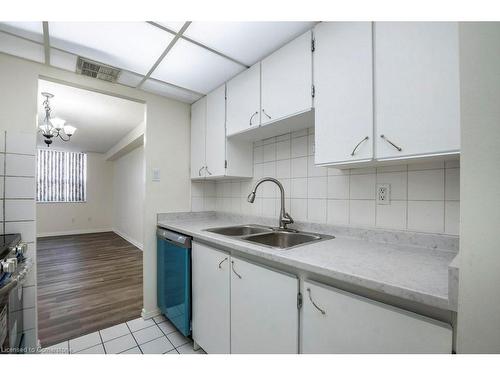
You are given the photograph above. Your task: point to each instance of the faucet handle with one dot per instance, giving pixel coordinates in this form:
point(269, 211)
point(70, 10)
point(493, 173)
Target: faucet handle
point(287, 219)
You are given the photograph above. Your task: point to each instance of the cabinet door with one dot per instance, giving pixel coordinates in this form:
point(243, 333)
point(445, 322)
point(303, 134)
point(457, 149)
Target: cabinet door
point(264, 314)
point(243, 101)
point(287, 80)
point(417, 104)
point(216, 132)
point(344, 92)
point(211, 299)
point(198, 128)
point(354, 324)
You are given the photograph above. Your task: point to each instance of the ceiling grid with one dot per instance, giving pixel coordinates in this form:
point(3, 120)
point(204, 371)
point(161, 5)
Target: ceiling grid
point(199, 56)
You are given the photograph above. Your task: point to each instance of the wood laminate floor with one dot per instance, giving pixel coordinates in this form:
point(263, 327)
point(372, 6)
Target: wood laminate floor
point(86, 283)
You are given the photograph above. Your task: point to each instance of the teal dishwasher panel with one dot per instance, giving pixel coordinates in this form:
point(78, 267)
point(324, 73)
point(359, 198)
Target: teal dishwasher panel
point(174, 279)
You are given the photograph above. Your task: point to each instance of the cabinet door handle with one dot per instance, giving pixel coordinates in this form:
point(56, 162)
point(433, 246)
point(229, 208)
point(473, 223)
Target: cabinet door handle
point(251, 117)
point(310, 299)
point(232, 267)
point(199, 172)
point(222, 261)
point(264, 112)
point(356, 147)
point(392, 144)
point(206, 168)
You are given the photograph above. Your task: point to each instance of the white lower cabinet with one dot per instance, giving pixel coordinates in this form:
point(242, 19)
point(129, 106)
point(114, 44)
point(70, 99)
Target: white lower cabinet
point(243, 308)
point(210, 292)
point(240, 307)
point(264, 313)
point(334, 321)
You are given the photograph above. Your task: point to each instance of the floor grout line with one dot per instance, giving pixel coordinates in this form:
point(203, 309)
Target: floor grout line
point(133, 337)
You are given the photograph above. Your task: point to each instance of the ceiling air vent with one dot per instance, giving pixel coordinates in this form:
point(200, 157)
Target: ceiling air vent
point(96, 70)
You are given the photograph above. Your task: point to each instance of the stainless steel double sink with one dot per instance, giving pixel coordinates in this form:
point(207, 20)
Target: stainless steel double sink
point(272, 237)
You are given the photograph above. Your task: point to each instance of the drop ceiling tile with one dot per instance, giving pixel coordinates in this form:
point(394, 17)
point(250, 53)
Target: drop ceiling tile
point(169, 91)
point(21, 48)
point(30, 30)
point(195, 68)
point(63, 60)
point(247, 42)
point(129, 79)
point(172, 25)
point(134, 46)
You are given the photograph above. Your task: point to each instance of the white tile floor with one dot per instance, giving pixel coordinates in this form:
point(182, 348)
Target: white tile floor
point(138, 336)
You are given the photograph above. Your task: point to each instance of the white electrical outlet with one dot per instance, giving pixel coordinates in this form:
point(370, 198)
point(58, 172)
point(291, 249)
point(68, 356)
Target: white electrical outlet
point(383, 193)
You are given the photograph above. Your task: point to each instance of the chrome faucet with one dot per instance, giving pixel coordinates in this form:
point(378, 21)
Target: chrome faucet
point(285, 218)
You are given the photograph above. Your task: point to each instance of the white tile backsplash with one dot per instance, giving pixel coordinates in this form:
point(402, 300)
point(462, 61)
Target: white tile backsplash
point(362, 212)
point(299, 167)
point(362, 186)
point(317, 187)
point(299, 147)
point(452, 217)
point(338, 187)
point(20, 165)
point(21, 143)
point(392, 215)
point(17, 210)
point(20, 187)
point(426, 185)
point(426, 216)
point(282, 150)
point(424, 196)
point(452, 184)
point(338, 211)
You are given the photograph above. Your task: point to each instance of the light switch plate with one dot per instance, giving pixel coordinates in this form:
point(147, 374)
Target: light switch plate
point(383, 193)
point(156, 174)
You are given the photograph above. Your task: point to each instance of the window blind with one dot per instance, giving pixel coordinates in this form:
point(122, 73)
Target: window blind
point(61, 176)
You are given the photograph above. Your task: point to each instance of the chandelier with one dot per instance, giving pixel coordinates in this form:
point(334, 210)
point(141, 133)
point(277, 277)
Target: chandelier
point(54, 127)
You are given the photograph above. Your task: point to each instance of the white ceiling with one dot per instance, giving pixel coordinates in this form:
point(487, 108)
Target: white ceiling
point(101, 120)
point(196, 61)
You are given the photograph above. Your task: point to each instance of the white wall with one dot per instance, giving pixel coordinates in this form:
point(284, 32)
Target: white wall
point(478, 299)
point(424, 196)
point(128, 196)
point(167, 143)
point(94, 215)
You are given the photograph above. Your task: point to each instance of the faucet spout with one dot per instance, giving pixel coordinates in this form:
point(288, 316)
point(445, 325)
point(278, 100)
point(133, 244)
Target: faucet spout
point(284, 218)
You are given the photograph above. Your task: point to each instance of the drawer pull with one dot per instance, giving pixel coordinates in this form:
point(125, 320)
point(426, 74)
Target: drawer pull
point(236, 273)
point(264, 112)
point(356, 147)
point(222, 261)
point(314, 304)
point(251, 117)
point(392, 144)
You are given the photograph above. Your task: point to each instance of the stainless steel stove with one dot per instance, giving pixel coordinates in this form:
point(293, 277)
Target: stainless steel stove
point(13, 269)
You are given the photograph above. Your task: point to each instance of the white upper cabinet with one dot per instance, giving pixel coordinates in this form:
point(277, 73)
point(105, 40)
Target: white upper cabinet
point(264, 313)
point(417, 104)
point(216, 132)
point(344, 92)
point(243, 101)
point(338, 322)
point(198, 128)
point(287, 80)
point(212, 154)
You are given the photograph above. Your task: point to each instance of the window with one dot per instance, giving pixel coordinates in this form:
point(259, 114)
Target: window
point(62, 176)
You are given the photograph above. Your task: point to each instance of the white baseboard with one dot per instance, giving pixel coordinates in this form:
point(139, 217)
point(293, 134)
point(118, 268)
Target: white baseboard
point(72, 232)
point(150, 314)
point(129, 239)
